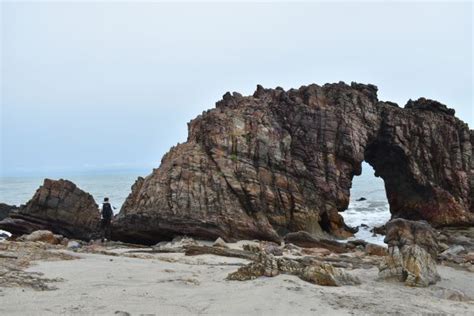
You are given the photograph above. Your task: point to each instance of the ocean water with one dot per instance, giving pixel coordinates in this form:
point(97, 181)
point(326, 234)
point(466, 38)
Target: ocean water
point(18, 190)
point(372, 212)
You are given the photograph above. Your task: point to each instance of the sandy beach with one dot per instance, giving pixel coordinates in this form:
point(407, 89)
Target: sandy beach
point(175, 284)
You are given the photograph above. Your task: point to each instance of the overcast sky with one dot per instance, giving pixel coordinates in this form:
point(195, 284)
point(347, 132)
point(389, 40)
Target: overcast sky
point(89, 86)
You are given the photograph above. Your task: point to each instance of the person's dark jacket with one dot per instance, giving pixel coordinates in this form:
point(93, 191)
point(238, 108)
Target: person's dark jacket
point(107, 212)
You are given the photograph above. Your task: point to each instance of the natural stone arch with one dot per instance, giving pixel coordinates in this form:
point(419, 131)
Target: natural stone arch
point(425, 157)
point(260, 166)
point(280, 161)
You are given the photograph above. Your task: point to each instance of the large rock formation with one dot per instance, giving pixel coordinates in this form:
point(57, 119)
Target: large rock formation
point(59, 206)
point(282, 161)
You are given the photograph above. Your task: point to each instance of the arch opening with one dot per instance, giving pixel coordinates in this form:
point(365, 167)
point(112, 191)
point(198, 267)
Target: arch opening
point(368, 205)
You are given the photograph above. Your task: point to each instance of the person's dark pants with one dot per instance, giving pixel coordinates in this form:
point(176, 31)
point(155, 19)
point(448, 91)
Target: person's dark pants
point(105, 228)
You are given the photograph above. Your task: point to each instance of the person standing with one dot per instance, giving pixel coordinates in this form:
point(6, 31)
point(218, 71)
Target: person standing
point(107, 214)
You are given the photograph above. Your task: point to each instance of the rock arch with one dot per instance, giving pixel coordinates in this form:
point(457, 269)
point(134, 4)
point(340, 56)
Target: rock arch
point(280, 161)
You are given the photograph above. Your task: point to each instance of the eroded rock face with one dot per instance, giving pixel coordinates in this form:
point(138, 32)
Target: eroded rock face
point(412, 251)
point(425, 156)
point(58, 206)
point(261, 166)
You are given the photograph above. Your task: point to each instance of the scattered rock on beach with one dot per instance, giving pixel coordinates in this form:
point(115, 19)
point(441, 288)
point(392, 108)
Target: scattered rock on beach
point(311, 271)
point(73, 245)
point(327, 275)
point(412, 251)
point(220, 243)
point(44, 236)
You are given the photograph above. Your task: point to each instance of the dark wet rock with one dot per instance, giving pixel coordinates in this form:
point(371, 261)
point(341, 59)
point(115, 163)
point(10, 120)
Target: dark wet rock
point(352, 244)
point(412, 251)
point(58, 206)
point(6, 209)
point(361, 199)
point(380, 230)
point(262, 166)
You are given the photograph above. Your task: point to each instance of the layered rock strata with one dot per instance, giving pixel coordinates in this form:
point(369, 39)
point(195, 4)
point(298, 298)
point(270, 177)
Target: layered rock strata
point(279, 161)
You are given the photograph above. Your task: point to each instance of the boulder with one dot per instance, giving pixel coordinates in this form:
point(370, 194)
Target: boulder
point(276, 162)
point(58, 206)
point(412, 251)
point(220, 243)
point(73, 245)
point(43, 235)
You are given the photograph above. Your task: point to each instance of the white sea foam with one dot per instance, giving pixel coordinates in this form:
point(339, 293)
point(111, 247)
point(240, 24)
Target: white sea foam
point(372, 214)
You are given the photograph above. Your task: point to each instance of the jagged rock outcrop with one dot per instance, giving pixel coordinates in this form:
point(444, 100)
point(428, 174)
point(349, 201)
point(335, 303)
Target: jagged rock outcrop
point(412, 253)
point(58, 206)
point(283, 161)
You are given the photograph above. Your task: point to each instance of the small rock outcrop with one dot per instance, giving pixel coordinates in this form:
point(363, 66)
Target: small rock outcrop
point(5, 210)
point(43, 235)
point(412, 251)
point(275, 162)
point(58, 206)
point(314, 272)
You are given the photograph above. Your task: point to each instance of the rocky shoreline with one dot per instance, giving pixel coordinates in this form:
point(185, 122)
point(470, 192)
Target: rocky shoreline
point(154, 279)
point(261, 181)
